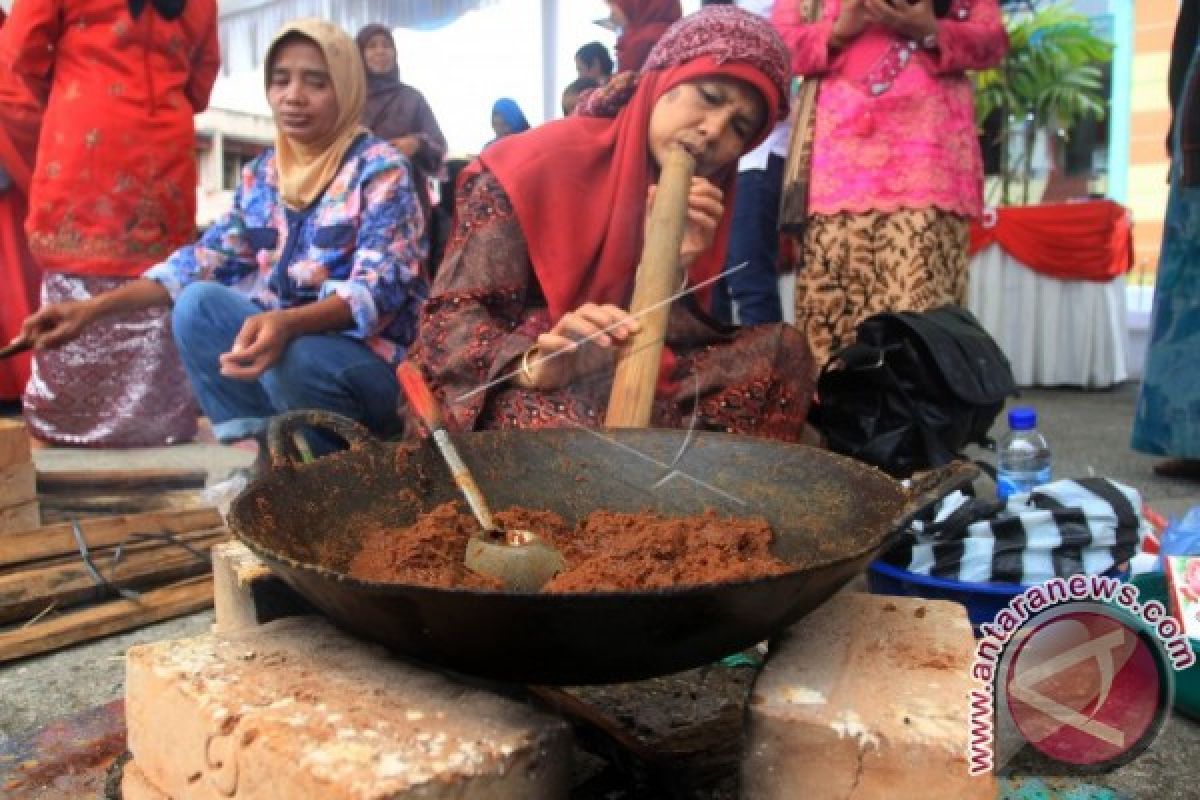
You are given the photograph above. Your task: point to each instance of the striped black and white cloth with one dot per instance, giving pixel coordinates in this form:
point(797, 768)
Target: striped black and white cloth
point(1064, 528)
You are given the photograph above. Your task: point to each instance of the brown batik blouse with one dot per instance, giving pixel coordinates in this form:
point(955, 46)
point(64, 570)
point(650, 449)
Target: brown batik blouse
point(486, 310)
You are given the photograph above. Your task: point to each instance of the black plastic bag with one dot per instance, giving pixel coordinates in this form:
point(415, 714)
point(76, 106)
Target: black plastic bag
point(913, 390)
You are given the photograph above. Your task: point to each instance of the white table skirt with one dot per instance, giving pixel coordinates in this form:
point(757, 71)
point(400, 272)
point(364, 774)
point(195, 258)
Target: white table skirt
point(1054, 332)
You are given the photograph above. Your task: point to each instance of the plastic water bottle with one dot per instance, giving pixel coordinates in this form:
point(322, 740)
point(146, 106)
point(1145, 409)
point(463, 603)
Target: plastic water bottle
point(1023, 460)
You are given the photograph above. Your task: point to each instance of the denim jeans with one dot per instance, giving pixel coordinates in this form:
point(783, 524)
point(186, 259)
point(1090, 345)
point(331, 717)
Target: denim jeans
point(753, 240)
point(327, 371)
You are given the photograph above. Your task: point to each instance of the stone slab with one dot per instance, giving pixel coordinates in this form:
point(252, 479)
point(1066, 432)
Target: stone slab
point(298, 710)
point(865, 699)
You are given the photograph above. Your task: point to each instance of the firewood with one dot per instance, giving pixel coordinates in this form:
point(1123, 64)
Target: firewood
point(59, 540)
point(25, 592)
point(14, 443)
point(168, 602)
point(118, 481)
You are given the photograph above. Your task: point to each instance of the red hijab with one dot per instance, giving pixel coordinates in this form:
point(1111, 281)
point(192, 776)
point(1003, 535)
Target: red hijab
point(578, 185)
point(648, 20)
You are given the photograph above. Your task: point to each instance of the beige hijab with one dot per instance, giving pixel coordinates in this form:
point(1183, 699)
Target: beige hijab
point(305, 170)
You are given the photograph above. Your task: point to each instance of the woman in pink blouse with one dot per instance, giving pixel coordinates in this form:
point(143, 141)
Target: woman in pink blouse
point(896, 168)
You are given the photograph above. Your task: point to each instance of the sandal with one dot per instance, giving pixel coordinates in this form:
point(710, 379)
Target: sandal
point(1188, 468)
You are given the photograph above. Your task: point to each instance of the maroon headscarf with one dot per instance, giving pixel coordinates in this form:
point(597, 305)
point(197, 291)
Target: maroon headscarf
point(578, 185)
point(647, 21)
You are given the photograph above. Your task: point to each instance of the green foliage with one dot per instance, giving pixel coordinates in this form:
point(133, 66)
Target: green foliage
point(1052, 77)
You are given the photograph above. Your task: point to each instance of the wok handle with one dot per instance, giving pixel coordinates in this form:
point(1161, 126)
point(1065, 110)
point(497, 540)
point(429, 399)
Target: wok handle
point(931, 486)
point(285, 426)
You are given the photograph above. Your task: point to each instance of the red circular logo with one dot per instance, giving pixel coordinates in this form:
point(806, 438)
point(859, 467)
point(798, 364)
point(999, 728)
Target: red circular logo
point(1085, 688)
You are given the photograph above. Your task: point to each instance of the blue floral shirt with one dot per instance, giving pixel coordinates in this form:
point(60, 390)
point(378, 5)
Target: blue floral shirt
point(359, 241)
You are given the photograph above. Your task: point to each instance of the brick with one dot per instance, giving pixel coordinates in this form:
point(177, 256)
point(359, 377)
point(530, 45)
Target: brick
point(298, 710)
point(246, 592)
point(136, 786)
point(865, 699)
point(23, 517)
point(14, 443)
point(18, 484)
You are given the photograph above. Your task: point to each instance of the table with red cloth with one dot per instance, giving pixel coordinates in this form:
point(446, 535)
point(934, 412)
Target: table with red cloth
point(1048, 283)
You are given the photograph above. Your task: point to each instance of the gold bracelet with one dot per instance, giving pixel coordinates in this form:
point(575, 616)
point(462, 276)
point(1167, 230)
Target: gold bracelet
point(525, 371)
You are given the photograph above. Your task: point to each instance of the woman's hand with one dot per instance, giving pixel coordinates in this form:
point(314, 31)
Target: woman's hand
point(409, 145)
point(259, 344)
point(56, 324)
point(852, 19)
point(705, 208)
point(581, 343)
point(912, 18)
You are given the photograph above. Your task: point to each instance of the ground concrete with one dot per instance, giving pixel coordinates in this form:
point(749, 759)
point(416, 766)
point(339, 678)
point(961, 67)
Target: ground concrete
point(1088, 431)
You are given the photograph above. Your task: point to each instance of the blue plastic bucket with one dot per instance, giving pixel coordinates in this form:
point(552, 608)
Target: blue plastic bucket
point(982, 600)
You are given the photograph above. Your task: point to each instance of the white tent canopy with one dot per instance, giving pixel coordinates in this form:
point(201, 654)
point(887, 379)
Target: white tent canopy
point(246, 26)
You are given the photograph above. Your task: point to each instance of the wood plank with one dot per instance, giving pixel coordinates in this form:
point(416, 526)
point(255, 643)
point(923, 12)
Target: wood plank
point(14, 442)
point(117, 616)
point(118, 481)
point(26, 516)
point(58, 540)
point(136, 543)
point(28, 592)
point(60, 507)
point(18, 484)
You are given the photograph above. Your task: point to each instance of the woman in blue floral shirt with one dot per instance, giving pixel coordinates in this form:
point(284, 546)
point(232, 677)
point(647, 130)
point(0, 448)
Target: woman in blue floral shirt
point(306, 294)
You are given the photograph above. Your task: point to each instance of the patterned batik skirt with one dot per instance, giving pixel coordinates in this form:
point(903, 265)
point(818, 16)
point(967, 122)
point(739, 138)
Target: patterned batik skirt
point(859, 264)
point(120, 384)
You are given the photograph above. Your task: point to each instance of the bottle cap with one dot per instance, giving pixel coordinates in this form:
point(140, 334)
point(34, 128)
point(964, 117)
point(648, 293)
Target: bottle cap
point(1022, 418)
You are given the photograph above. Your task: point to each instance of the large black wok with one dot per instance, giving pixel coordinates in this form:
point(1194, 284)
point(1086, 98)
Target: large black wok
point(831, 516)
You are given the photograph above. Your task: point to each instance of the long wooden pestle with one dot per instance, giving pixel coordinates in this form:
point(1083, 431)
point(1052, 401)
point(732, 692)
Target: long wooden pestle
point(659, 276)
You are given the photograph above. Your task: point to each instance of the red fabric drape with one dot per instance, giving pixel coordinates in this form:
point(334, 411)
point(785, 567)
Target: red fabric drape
point(1069, 241)
point(19, 276)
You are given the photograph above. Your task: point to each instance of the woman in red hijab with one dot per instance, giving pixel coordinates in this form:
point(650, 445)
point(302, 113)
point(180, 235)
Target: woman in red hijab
point(19, 276)
point(548, 233)
point(642, 23)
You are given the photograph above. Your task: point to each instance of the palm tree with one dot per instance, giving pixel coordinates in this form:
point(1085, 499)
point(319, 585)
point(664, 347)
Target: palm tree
point(1051, 77)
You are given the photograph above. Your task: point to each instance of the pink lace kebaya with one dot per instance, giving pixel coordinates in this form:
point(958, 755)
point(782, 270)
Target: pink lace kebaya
point(895, 124)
